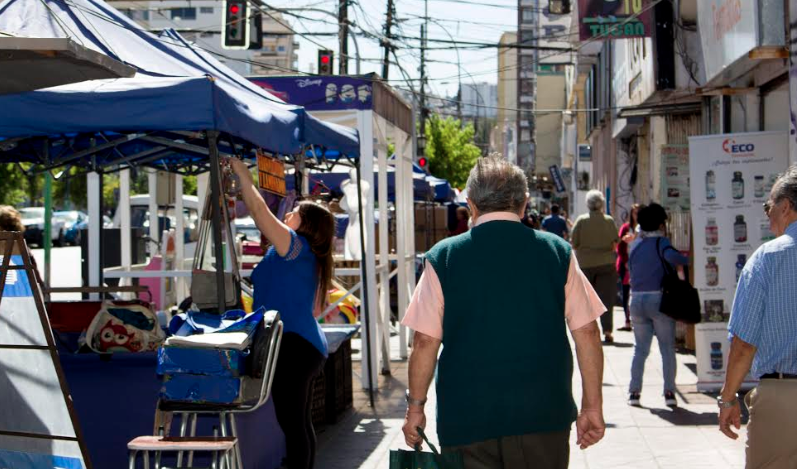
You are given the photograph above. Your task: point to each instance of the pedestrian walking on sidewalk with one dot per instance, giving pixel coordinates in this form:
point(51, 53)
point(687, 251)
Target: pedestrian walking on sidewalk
point(627, 234)
point(555, 224)
point(504, 377)
point(646, 258)
point(594, 239)
point(763, 327)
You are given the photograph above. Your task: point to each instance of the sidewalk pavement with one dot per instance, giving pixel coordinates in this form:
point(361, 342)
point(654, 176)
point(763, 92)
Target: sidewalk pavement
point(653, 436)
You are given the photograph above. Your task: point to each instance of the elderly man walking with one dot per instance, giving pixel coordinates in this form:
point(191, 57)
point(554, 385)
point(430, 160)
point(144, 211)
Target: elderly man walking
point(594, 239)
point(763, 327)
point(504, 376)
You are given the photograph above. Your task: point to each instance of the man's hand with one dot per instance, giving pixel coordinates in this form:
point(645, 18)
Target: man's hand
point(415, 417)
point(590, 428)
point(728, 417)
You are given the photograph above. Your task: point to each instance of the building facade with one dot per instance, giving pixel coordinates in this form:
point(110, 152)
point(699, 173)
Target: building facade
point(633, 100)
point(504, 138)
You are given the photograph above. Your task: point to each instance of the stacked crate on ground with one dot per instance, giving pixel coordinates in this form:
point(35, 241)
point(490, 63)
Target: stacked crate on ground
point(431, 225)
point(332, 391)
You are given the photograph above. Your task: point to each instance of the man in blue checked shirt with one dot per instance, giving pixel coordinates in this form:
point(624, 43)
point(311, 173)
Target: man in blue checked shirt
point(763, 328)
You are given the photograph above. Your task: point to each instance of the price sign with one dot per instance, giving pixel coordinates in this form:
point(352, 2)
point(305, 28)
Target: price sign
point(271, 174)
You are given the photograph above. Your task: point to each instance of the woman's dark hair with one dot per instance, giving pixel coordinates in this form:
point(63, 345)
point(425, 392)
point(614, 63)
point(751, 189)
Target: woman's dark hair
point(633, 220)
point(318, 228)
point(464, 212)
point(652, 217)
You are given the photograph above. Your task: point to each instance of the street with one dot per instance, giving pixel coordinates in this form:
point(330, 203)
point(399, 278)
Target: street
point(652, 436)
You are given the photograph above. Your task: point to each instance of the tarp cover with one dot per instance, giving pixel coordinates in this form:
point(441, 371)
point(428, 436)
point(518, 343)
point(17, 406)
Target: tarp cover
point(167, 93)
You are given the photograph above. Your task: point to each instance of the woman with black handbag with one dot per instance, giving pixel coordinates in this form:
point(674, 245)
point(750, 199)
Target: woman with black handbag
point(647, 255)
point(293, 278)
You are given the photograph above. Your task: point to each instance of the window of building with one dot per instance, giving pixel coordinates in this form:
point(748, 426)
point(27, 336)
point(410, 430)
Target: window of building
point(526, 36)
point(144, 15)
point(206, 10)
point(280, 48)
point(527, 15)
point(188, 13)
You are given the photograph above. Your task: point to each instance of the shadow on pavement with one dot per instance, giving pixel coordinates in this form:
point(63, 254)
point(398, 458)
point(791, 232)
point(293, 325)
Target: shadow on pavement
point(683, 417)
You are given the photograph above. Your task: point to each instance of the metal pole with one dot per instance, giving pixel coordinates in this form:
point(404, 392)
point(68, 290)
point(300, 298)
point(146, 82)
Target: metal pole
point(47, 238)
point(388, 26)
point(216, 200)
point(364, 282)
point(343, 36)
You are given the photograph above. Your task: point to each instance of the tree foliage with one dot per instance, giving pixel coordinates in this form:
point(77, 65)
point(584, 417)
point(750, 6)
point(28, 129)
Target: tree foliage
point(12, 185)
point(450, 149)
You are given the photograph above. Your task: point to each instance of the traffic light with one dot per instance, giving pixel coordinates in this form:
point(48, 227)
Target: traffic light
point(234, 18)
point(325, 59)
point(423, 163)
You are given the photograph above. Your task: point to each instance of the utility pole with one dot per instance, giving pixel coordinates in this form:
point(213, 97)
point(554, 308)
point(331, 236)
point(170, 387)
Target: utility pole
point(343, 36)
point(422, 130)
point(388, 27)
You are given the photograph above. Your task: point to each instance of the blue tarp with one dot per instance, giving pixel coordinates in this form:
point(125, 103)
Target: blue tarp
point(177, 87)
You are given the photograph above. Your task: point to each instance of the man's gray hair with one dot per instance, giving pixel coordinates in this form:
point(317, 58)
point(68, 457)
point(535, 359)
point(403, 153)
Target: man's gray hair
point(786, 187)
point(496, 185)
point(595, 200)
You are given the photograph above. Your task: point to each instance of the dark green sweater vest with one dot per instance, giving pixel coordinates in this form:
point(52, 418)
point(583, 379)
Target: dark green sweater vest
point(506, 366)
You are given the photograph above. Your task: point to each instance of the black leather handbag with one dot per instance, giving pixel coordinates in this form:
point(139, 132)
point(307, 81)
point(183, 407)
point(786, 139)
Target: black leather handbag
point(679, 299)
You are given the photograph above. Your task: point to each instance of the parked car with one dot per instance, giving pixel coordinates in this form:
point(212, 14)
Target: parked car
point(33, 219)
point(139, 216)
point(74, 222)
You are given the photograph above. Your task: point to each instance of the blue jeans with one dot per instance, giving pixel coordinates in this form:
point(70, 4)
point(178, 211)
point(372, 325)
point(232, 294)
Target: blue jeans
point(648, 321)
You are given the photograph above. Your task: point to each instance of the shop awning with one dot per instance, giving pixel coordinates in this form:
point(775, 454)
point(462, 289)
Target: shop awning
point(646, 110)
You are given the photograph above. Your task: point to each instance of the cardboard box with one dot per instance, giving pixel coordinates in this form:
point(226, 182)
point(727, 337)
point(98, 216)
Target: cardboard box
point(441, 218)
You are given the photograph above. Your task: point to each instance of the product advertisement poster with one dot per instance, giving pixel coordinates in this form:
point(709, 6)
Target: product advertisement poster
point(730, 179)
point(675, 177)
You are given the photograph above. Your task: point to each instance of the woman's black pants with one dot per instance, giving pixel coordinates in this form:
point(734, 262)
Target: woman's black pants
point(299, 362)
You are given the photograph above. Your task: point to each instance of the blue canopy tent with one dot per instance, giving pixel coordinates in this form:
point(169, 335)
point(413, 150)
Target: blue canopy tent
point(111, 110)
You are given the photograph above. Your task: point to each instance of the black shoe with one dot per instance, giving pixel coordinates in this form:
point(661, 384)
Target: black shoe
point(633, 399)
point(669, 399)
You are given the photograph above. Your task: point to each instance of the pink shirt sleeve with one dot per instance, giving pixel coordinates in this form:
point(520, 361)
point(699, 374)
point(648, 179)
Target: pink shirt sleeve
point(582, 303)
point(425, 312)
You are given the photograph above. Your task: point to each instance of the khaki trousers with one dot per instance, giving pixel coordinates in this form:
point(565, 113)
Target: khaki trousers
point(772, 429)
point(532, 451)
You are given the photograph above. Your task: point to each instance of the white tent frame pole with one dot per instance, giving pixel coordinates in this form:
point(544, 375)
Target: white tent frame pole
point(384, 247)
point(154, 226)
point(365, 126)
point(126, 243)
point(179, 236)
point(403, 204)
point(93, 188)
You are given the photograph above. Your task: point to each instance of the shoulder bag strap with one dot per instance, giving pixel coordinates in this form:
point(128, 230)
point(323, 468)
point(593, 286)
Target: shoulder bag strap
point(668, 270)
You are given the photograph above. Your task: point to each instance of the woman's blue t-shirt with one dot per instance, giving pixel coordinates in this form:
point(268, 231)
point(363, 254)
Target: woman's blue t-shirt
point(288, 284)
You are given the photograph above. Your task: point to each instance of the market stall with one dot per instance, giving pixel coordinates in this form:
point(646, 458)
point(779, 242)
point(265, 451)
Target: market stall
point(175, 115)
point(382, 118)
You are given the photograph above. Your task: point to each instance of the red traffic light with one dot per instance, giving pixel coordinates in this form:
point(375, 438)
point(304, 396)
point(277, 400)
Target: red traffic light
point(234, 9)
point(324, 59)
point(422, 162)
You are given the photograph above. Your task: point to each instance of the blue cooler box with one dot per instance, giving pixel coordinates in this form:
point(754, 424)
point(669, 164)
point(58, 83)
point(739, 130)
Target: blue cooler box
point(200, 389)
point(197, 361)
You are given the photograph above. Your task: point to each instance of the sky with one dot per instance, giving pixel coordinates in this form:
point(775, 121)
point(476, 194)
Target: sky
point(459, 19)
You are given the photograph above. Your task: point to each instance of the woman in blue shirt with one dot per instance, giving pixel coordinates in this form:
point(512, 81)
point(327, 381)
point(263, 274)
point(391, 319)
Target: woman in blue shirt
point(646, 273)
point(293, 278)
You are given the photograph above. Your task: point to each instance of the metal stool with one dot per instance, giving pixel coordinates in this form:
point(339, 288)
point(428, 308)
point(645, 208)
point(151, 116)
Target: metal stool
point(219, 446)
point(258, 388)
